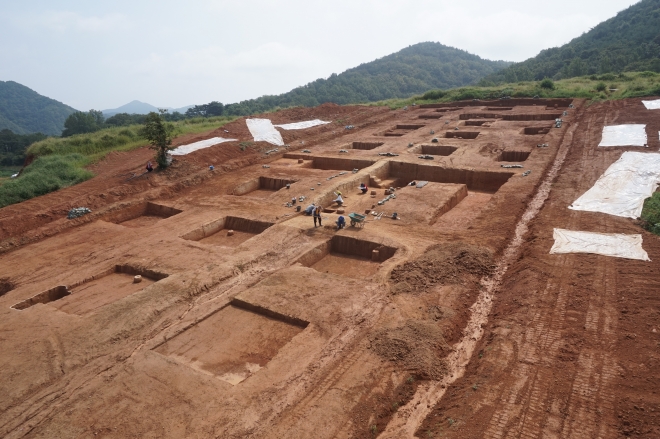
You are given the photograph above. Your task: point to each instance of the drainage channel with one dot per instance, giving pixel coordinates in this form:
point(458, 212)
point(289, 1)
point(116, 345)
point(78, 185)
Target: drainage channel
point(407, 419)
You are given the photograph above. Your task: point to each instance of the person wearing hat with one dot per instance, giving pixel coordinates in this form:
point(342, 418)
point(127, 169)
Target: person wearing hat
point(339, 200)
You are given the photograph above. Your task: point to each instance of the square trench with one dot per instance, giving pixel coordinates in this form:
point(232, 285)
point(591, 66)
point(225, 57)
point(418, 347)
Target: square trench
point(262, 187)
point(230, 231)
point(141, 214)
point(233, 343)
point(93, 293)
point(347, 256)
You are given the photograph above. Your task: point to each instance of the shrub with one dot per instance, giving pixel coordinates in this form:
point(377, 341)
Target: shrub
point(547, 84)
point(433, 94)
point(601, 86)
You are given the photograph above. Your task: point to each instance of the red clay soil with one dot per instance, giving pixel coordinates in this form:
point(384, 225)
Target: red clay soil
point(571, 348)
point(451, 321)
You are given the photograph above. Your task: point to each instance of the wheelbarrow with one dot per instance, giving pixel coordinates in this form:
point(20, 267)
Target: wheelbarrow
point(357, 220)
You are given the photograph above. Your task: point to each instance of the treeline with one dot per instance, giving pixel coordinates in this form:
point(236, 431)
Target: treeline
point(82, 122)
point(13, 146)
point(630, 41)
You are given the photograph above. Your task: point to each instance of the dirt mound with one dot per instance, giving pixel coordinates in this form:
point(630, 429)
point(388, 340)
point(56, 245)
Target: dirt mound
point(418, 347)
point(443, 264)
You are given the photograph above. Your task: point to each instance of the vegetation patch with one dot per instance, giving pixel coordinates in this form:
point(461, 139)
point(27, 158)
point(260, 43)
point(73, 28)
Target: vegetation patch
point(44, 175)
point(651, 214)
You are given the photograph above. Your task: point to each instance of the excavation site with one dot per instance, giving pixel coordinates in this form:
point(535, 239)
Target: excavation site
point(475, 269)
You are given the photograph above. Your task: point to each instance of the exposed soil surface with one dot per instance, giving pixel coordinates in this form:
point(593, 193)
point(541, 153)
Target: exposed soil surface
point(451, 321)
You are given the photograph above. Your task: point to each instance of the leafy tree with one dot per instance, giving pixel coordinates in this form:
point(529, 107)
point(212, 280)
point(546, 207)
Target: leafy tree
point(214, 108)
point(125, 119)
point(80, 123)
point(13, 146)
point(547, 84)
point(159, 134)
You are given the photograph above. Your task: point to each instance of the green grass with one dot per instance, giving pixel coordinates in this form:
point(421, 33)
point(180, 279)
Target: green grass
point(61, 162)
point(44, 175)
point(651, 213)
point(627, 85)
point(95, 146)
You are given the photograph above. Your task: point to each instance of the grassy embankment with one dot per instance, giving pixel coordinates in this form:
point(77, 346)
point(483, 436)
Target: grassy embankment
point(60, 162)
point(595, 87)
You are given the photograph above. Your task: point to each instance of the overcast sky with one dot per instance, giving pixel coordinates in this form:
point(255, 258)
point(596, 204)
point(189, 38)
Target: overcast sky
point(103, 54)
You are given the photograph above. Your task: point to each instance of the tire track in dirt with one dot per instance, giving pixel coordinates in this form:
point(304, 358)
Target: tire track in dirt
point(408, 419)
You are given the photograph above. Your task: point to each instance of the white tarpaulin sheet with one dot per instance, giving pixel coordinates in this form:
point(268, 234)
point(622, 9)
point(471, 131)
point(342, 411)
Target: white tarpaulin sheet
point(608, 244)
point(262, 130)
point(187, 149)
point(624, 135)
point(622, 189)
point(302, 125)
point(652, 105)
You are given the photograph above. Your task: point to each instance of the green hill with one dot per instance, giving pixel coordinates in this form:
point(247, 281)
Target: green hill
point(415, 69)
point(630, 41)
point(25, 111)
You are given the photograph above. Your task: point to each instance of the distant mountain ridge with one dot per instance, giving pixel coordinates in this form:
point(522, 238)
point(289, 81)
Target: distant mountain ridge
point(415, 69)
point(629, 41)
point(24, 111)
point(138, 107)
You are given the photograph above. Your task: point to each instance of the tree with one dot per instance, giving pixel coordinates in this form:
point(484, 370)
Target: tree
point(214, 108)
point(80, 123)
point(159, 134)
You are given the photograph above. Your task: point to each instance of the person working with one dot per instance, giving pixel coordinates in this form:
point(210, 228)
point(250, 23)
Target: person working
point(339, 200)
point(310, 209)
point(150, 167)
point(341, 222)
point(363, 188)
point(317, 215)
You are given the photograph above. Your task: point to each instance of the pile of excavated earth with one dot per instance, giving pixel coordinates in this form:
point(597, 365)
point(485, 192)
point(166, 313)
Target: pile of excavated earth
point(492, 281)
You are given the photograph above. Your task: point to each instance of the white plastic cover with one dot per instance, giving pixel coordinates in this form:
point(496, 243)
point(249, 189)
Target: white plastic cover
point(187, 149)
point(624, 135)
point(302, 125)
point(263, 130)
point(622, 189)
point(652, 105)
point(608, 244)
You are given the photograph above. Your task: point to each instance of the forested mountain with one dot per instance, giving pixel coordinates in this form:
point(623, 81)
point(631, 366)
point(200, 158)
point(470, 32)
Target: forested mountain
point(415, 69)
point(25, 111)
point(630, 41)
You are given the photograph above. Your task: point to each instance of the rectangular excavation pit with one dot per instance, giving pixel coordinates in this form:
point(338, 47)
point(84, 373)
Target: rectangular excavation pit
point(536, 130)
point(441, 150)
point(262, 187)
point(141, 214)
point(466, 135)
point(217, 232)
point(499, 108)
point(430, 116)
point(233, 343)
point(468, 116)
point(347, 256)
point(475, 180)
point(90, 294)
point(366, 145)
point(401, 130)
point(477, 123)
point(513, 156)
